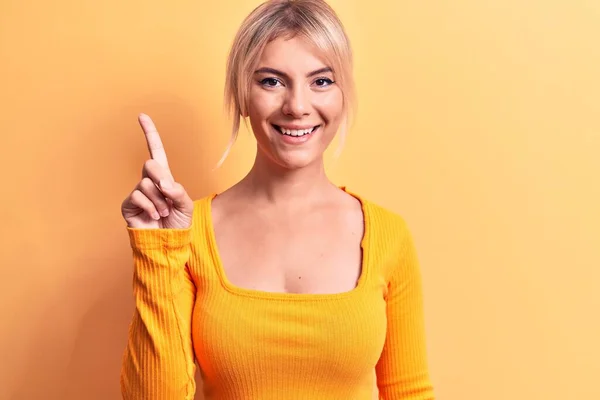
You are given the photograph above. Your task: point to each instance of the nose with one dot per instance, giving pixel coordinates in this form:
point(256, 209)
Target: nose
point(297, 102)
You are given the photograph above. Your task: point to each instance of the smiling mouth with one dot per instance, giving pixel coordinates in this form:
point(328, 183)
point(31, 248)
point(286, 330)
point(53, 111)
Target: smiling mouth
point(295, 132)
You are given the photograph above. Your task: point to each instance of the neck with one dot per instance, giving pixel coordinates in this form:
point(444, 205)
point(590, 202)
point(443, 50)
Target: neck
point(269, 182)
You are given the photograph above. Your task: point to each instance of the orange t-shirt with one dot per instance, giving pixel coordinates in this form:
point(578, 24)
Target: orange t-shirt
point(255, 345)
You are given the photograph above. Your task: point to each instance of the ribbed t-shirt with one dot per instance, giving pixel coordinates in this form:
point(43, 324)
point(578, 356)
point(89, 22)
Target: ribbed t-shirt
point(255, 345)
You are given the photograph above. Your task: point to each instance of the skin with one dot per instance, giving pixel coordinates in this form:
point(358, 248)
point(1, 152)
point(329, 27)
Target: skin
point(285, 227)
point(298, 96)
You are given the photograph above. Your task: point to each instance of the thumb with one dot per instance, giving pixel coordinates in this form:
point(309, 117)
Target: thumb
point(166, 184)
point(176, 193)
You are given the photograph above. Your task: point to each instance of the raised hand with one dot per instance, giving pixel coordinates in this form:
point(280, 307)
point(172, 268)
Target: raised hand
point(157, 202)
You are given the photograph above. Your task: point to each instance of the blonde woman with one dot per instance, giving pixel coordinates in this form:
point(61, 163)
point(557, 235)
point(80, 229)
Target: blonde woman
point(284, 286)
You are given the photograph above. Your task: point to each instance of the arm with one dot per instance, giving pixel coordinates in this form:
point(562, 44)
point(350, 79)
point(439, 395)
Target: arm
point(159, 360)
point(402, 372)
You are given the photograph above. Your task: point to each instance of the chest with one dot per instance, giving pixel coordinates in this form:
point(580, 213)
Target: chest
point(302, 254)
point(334, 339)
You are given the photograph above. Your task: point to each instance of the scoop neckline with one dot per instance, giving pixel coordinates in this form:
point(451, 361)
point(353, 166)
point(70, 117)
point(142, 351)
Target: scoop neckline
point(261, 294)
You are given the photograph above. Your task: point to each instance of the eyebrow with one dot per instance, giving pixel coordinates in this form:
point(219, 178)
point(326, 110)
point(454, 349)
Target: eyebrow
point(267, 70)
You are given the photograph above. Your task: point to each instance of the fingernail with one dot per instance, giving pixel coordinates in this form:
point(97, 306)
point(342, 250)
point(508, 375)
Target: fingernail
point(164, 213)
point(166, 184)
point(155, 216)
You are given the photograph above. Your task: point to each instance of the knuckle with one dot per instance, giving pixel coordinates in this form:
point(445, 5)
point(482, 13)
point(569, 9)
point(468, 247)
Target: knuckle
point(135, 195)
point(146, 183)
point(148, 164)
point(155, 144)
point(138, 198)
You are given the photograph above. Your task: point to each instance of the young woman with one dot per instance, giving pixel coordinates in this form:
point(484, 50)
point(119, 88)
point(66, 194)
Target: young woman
point(284, 286)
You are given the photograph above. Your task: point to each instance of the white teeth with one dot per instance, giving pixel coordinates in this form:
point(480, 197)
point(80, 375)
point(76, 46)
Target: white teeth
point(294, 132)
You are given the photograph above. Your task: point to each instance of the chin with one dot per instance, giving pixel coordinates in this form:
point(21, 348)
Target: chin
point(294, 160)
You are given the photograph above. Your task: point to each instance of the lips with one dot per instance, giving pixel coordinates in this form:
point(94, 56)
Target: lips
point(296, 131)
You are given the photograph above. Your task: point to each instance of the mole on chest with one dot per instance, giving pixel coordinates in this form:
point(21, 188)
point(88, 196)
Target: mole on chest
point(315, 253)
point(295, 267)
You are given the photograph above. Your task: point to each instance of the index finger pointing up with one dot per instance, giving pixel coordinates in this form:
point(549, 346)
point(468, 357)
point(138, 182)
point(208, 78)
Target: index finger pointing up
point(155, 146)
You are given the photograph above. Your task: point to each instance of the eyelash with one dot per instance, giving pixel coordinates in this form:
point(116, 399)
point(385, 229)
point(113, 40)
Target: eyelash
point(265, 82)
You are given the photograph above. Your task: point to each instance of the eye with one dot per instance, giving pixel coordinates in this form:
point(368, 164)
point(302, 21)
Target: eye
point(324, 82)
point(270, 82)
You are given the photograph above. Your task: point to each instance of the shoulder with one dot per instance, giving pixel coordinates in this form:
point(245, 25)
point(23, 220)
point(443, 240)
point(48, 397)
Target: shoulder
point(379, 219)
point(386, 231)
point(202, 205)
point(390, 243)
point(203, 219)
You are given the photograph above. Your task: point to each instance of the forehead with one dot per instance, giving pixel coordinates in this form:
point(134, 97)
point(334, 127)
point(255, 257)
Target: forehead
point(293, 54)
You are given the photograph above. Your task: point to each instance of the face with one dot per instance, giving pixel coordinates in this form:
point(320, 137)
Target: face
point(295, 105)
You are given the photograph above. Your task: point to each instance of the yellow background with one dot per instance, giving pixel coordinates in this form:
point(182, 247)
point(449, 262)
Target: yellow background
point(478, 121)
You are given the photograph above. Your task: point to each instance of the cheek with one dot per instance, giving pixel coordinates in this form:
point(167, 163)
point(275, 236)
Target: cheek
point(331, 105)
point(263, 104)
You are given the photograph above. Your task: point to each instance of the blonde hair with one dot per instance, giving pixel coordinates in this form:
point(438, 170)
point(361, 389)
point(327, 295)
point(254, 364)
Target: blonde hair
point(313, 19)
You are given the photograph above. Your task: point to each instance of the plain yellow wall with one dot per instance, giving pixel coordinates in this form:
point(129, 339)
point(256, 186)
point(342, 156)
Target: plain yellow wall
point(479, 122)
